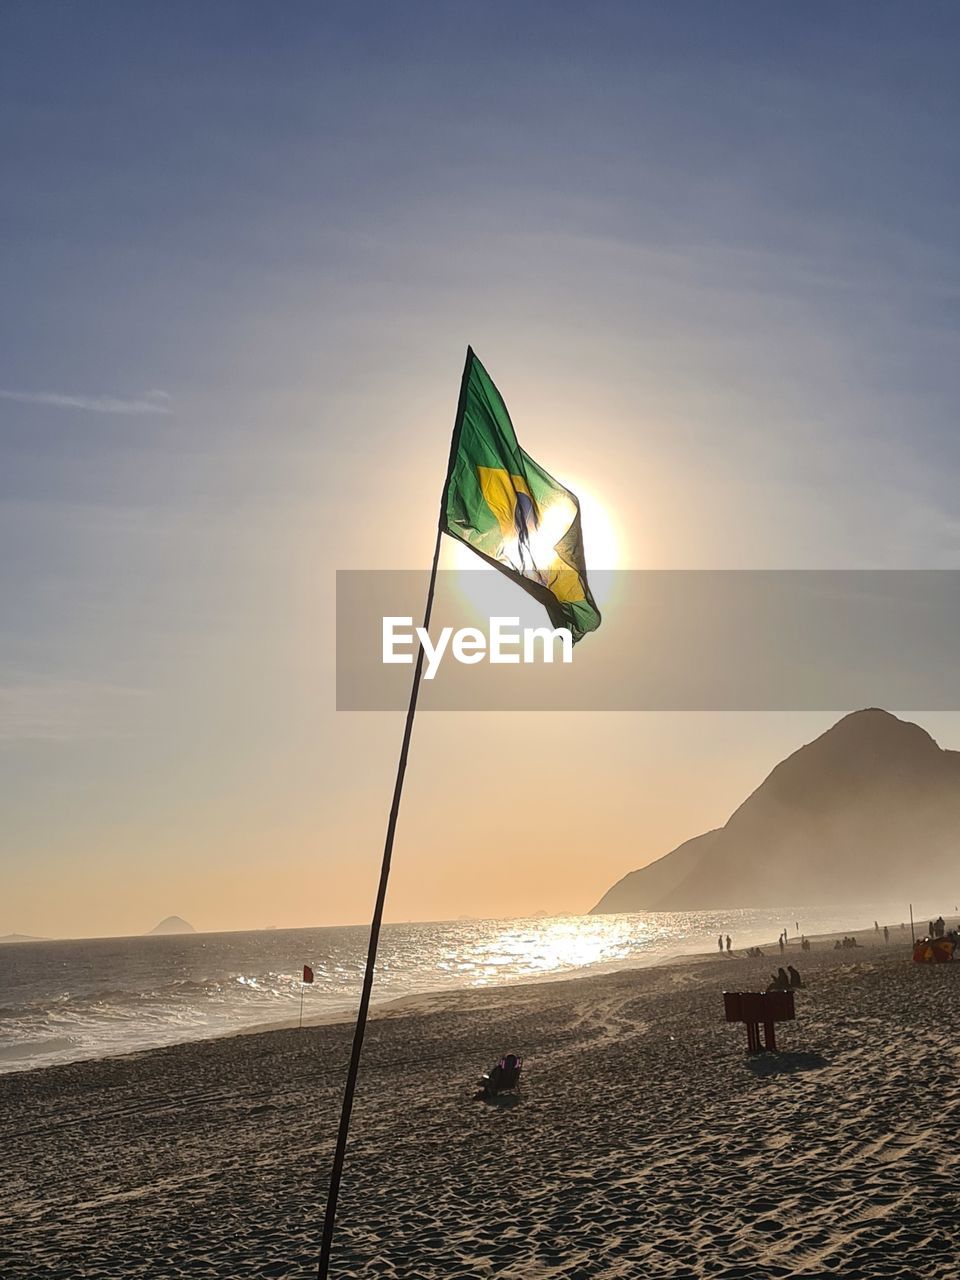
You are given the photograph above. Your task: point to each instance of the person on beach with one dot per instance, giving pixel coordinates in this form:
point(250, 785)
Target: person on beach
point(779, 981)
point(720, 943)
point(886, 935)
point(729, 944)
point(504, 1074)
point(780, 940)
point(795, 979)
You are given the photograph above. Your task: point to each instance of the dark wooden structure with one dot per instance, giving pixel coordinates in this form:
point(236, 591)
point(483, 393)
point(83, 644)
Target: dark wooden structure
point(754, 1007)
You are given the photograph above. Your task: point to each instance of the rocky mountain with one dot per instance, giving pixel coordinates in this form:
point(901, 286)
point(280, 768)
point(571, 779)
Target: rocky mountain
point(173, 924)
point(868, 812)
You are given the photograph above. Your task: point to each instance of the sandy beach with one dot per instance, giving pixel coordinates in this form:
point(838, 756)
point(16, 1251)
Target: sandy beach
point(645, 1142)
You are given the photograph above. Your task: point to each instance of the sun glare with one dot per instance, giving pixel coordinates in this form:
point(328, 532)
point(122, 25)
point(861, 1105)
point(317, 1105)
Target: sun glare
point(601, 549)
point(600, 541)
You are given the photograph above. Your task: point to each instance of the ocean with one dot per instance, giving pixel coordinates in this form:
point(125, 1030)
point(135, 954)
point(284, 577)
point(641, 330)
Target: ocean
point(68, 1000)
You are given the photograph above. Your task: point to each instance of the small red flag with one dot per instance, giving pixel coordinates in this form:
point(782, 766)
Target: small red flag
point(307, 973)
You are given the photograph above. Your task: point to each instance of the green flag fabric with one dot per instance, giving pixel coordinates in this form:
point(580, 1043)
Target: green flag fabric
point(510, 511)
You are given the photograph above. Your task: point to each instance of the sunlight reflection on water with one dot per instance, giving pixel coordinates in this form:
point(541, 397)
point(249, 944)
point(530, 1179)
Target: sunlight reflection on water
point(67, 1000)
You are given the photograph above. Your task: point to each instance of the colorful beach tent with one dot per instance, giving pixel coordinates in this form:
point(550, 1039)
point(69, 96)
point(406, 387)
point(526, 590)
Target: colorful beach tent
point(933, 951)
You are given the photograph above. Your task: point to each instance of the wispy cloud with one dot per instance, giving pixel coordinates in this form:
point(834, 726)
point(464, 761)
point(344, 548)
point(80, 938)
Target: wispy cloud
point(148, 402)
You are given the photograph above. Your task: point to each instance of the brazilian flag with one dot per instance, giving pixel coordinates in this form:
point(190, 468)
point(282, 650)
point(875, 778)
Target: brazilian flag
point(510, 511)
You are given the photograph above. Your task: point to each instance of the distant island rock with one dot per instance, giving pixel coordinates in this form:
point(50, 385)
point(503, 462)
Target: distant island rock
point(174, 924)
point(868, 812)
point(20, 937)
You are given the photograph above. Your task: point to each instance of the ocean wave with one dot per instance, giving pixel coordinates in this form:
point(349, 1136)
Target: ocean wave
point(229, 987)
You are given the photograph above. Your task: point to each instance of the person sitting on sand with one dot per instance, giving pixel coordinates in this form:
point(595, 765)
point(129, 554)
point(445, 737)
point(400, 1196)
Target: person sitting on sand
point(488, 1083)
point(795, 979)
point(779, 981)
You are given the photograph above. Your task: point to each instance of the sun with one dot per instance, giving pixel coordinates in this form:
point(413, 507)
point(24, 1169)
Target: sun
point(600, 544)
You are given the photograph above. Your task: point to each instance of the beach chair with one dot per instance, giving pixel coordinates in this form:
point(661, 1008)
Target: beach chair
point(504, 1077)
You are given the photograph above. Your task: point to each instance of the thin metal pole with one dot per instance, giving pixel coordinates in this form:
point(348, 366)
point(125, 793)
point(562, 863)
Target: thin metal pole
point(350, 1087)
point(301, 1006)
point(333, 1193)
point(913, 936)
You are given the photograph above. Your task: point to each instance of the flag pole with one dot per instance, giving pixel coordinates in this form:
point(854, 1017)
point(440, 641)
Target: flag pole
point(336, 1172)
point(301, 1005)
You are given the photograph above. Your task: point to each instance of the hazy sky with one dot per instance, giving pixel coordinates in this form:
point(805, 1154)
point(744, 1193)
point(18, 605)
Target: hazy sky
point(708, 252)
